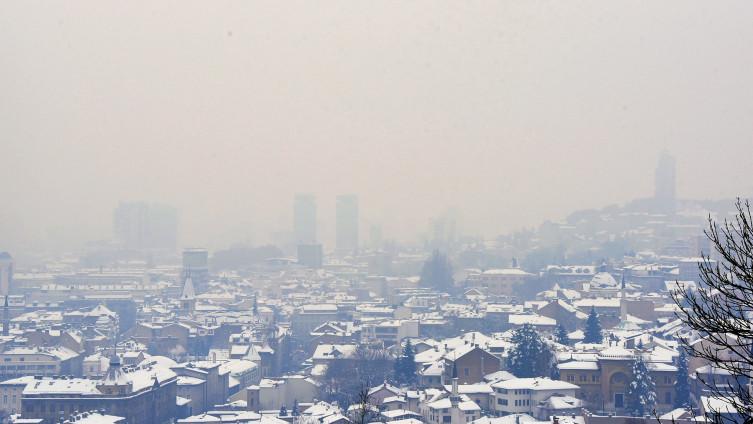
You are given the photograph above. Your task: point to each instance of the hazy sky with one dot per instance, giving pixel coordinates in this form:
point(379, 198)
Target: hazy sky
point(510, 111)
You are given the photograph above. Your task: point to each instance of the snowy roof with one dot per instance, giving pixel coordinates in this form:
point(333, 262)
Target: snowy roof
point(203, 418)
point(537, 383)
point(333, 351)
point(658, 366)
point(79, 386)
point(465, 389)
point(506, 271)
point(578, 365)
point(184, 380)
point(604, 279)
point(507, 419)
point(563, 402)
point(597, 302)
point(498, 375)
point(616, 352)
point(531, 319)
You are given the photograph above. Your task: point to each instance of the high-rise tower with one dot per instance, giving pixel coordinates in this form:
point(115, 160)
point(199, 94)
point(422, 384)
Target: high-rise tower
point(304, 219)
point(346, 217)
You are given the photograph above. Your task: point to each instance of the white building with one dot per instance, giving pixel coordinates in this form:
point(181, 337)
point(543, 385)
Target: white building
point(523, 395)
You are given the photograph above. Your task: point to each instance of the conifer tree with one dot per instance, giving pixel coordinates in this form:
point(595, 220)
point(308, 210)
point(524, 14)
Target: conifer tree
point(405, 365)
point(641, 393)
point(283, 411)
point(531, 356)
point(295, 412)
point(560, 335)
point(592, 332)
point(682, 384)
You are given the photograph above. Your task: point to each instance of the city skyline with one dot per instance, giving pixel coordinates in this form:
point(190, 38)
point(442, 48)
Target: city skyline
point(475, 109)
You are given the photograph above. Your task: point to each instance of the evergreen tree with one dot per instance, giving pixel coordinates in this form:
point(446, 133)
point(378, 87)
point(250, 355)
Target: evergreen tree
point(682, 384)
point(405, 365)
point(560, 335)
point(437, 273)
point(531, 356)
point(283, 411)
point(641, 393)
point(295, 412)
point(592, 333)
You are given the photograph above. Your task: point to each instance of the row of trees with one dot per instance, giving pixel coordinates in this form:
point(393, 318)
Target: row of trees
point(592, 332)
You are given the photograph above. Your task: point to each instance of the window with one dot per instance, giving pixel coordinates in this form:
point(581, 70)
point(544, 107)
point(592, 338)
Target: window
point(5, 399)
point(595, 378)
point(446, 419)
point(583, 377)
point(570, 378)
point(668, 397)
point(502, 402)
point(465, 372)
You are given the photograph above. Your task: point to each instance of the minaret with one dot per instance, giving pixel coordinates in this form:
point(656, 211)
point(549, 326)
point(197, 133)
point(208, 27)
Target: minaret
point(623, 299)
point(454, 398)
point(6, 318)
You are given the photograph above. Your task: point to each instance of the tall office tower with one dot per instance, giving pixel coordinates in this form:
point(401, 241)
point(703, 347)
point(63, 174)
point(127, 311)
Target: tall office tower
point(346, 223)
point(162, 225)
point(664, 183)
point(375, 236)
point(304, 219)
point(6, 273)
point(138, 225)
point(196, 266)
point(129, 224)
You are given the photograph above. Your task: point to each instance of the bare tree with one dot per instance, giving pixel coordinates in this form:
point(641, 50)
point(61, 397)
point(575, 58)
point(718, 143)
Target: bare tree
point(365, 409)
point(720, 310)
point(345, 378)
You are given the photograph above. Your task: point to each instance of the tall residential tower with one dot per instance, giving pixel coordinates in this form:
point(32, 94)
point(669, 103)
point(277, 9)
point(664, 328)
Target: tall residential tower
point(304, 219)
point(346, 217)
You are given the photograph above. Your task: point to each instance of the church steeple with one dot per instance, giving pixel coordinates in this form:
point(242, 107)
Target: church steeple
point(188, 296)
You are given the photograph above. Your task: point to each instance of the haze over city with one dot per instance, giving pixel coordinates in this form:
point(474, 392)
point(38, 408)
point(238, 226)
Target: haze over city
point(371, 212)
point(505, 113)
